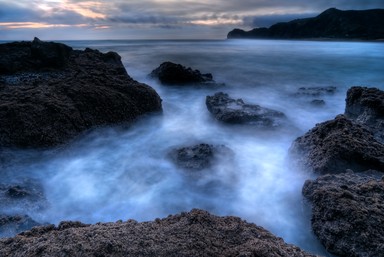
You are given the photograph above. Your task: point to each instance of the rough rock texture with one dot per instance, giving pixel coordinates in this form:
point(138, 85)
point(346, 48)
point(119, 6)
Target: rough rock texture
point(50, 93)
point(196, 233)
point(331, 24)
point(199, 157)
point(348, 213)
point(366, 106)
point(11, 225)
point(336, 145)
point(235, 111)
point(176, 74)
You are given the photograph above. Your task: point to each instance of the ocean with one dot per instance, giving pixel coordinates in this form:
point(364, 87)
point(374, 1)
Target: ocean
point(117, 173)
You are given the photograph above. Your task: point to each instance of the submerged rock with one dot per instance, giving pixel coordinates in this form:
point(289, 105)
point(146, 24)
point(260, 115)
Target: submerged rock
point(366, 106)
point(235, 111)
point(315, 91)
point(176, 74)
point(11, 225)
point(195, 233)
point(51, 93)
point(199, 157)
point(336, 145)
point(348, 213)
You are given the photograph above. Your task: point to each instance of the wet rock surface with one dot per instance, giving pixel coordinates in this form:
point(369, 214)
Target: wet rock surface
point(316, 91)
point(195, 233)
point(170, 73)
point(235, 111)
point(51, 93)
point(336, 145)
point(200, 156)
point(348, 212)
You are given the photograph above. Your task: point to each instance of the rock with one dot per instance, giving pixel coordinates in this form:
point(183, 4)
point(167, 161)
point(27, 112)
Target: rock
point(175, 74)
point(316, 91)
point(317, 102)
point(11, 225)
point(348, 213)
point(235, 111)
point(330, 24)
point(51, 93)
point(195, 233)
point(199, 157)
point(336, 145)
point(366, 106)
point(26, 196)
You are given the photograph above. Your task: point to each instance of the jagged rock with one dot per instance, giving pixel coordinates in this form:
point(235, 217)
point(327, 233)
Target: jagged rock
point(235, 111)
point(332, 24)
point(317, 102)
point(11, 225)
point(366, 106)
point(50, 93)
point(199, 157)
point(348, 213)
point(336, 145)
point(176, 74)
point(196, 233)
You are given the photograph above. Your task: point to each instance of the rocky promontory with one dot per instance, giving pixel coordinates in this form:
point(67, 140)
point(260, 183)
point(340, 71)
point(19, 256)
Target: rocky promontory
point(330, 24)
point(51, 93)
point(195, 233)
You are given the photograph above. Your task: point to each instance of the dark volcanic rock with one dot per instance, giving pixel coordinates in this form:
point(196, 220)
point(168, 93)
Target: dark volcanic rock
point(50, 93)
point(11, 225)
point(348, 213)
point(235, 111)
point(317, 102)
point(196, 233)
point(336, 145)
point(199, 157)
point(331, 24)
point(175, 74)
point(366, 106)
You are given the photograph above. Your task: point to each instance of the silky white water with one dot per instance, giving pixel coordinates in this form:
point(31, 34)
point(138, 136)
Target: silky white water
point(125, 173)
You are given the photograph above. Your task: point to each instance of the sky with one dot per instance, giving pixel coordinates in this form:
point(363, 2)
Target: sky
point(153, 19)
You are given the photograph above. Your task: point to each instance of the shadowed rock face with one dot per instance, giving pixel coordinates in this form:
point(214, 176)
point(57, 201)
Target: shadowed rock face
point(176, 74)
point(235, 111)
point(13, 224)
point(196, 233)
point(348, 213)
point(51, 93)
point(332, 23)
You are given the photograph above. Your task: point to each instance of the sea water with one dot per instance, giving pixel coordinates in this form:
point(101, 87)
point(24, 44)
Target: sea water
point(118, 174)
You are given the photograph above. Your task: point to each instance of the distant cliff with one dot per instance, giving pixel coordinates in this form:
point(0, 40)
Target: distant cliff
point(330, 24)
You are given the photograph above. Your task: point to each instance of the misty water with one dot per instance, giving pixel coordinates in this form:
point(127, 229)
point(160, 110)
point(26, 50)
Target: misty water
point(120, 173)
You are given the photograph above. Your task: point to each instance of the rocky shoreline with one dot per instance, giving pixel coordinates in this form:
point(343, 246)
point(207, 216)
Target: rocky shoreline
point(52, 94)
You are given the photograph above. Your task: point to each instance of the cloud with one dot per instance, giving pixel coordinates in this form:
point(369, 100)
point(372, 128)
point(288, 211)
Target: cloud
point(214, 16)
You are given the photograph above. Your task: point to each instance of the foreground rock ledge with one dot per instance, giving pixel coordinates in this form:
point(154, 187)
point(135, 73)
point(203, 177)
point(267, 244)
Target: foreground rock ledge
point(348, 212)
point(196, 233)
point(50, 93)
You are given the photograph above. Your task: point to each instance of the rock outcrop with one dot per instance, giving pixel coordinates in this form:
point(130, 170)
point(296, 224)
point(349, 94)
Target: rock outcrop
point(170, 73)
point(348, 213)
point(196, 233)
point(13, 224)
point(366, 106)
point(351, 141)
point(51, 93)
point(199, 157)
point(336, 145)
point(235, 111)
point(331, 24)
